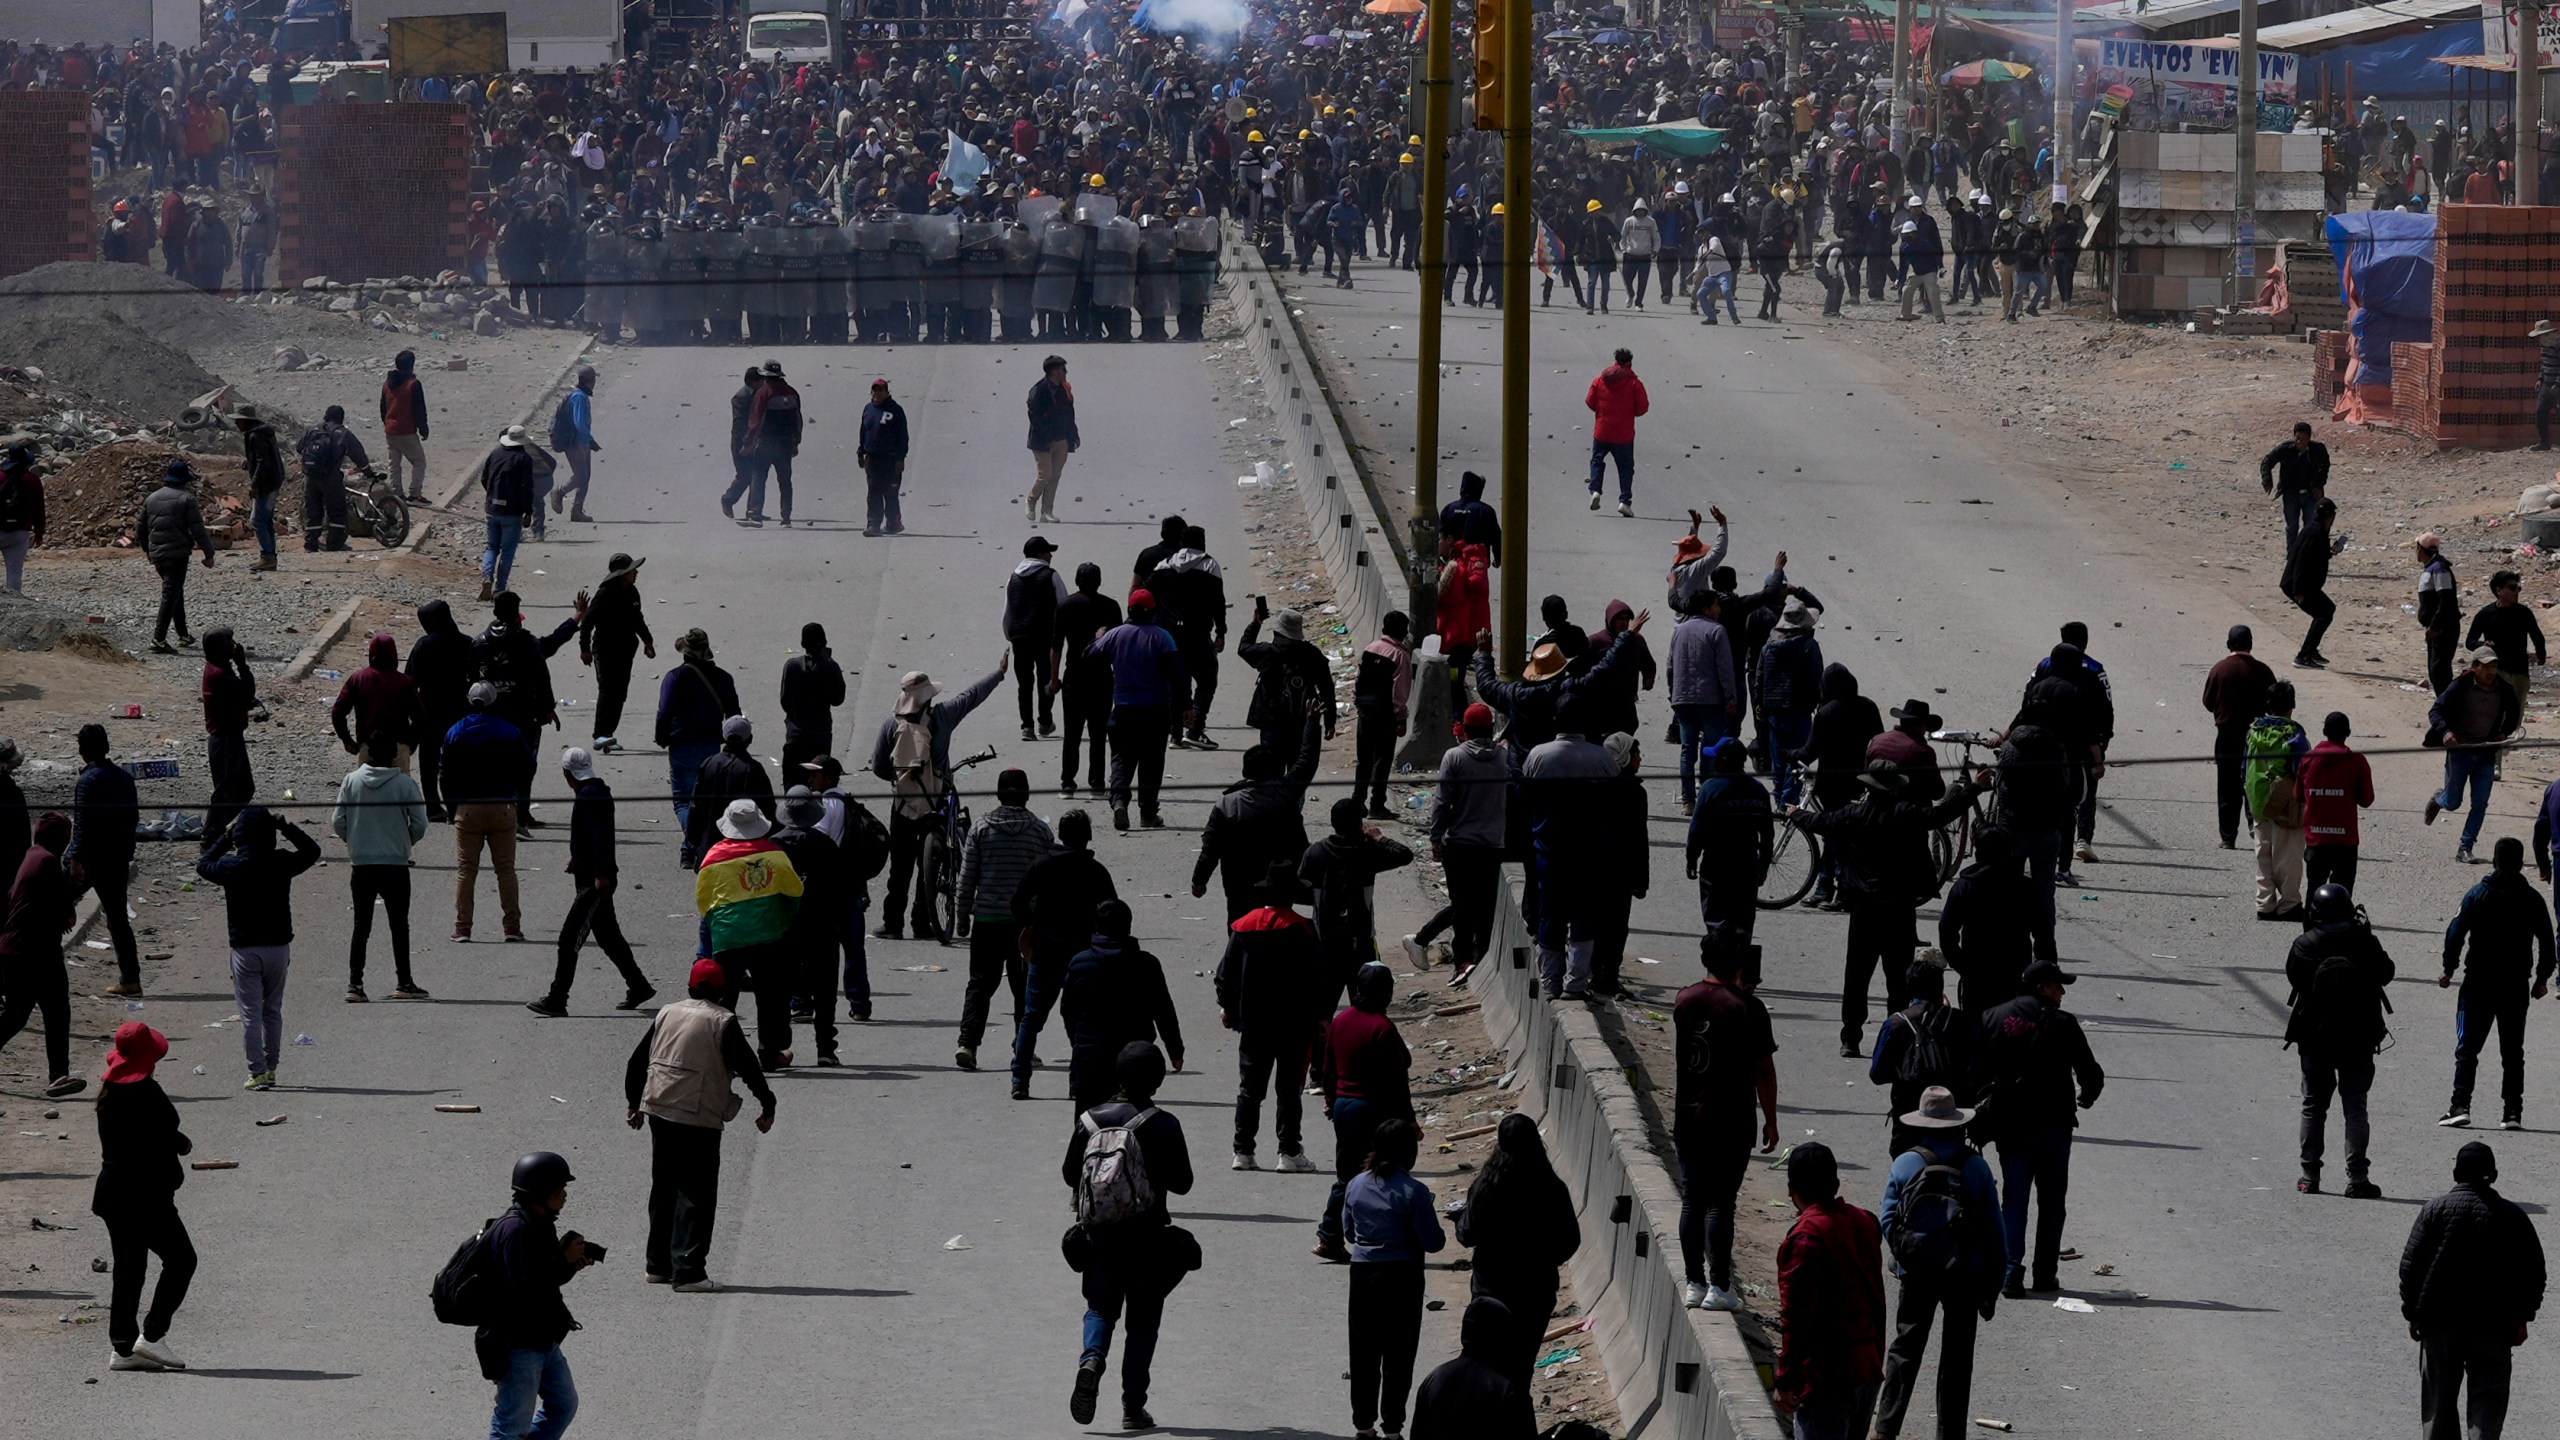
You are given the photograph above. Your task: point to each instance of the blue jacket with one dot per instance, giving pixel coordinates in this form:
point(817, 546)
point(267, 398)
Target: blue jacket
point(884, 431)
point(1986, 1244)
point(485, 760)
point(1146, 663)
point(1791, 675)
point(1389, 1218)
point(582, 417)
point(692, 705)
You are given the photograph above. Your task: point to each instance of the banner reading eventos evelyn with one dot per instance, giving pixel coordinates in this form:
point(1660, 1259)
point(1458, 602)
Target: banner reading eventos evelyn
point(2176, 81)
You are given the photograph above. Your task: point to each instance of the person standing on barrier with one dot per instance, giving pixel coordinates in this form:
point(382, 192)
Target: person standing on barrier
point(1724, 1047)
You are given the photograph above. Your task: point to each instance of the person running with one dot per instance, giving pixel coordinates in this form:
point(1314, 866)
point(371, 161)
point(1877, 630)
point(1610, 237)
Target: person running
point(1081, 680)
point(2508, 924)
point(1127, 1247)
point(487, 767)
point(2471, 1281)
point(1273, 992)
point(2336, 783)
point(610, 633)
point(257, 902)
point(882, 454)
point(1518, 1222)
point(1941, 1220)
point(1616, 400)
point(595, 877)
point(1052, 409)
point(519, 1345)
point(1033, 596)
point(812, 687)
point(171, 528)
point(381, 815)
point(1830, 1304)
point(1365, 1074)
point(104, 810)
point(695, 700)
point(2306, 582)
point(2507, 626)
point(139, 1144)
point(1001, 851)
point(2034, 1063)
point(2337, 970)
point(2296, 473)
point(1723, 1046)
point(913, 753)
point(1391, 1223)
point(678, 1082)
point(2235, 691)
point(33, 976)
point(2472, 719)
point(1148, 680)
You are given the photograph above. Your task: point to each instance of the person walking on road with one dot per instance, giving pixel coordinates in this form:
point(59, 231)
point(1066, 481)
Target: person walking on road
point(1342, 870)
point(1724, 1048)
point(1468, 831)
point(1706, 701)
point(1082, 681)
point(1112, 996)
point(1519, 1224)
point(1732, 830)
point(817, 928)
point(732, 773)
point(573, 434)
point(487, 767)
point(508, 477)
point(812, 687)
point(257, 902)
point(405, 424)
point(1390, 1223)
point(1273, 992)
point(913, 753)
point(378, 700)
point(1365, 1072)
point(381, 815)
point(595, 877)
point(742, 465)
point(22, 515)
point(170, 529)
point(1191, 597)
point(1560, 784)
point(529, 1260)
point(2508, 923)
point(33, 976)
point(1056, 904)
point(440, 665)
point(2439, 609)
point(2036, 1073)
point(1474, 1396)
point(1881, 841)
point(1001, 851)
point(679, 1083)
point(1928, 1042)
point(772, 440)
point(1379, 695)
point(2337, 971)
point(696, 700)
point(882, 453)
point(2297, 474)
point(1616, 400)
point(1052, 409)
point(2273, 790)
point(1790, 672)
point(2306, 582)
point(1941, 1220)
point(1033, 595)
point(1147, 681)
point(2506, 625)
point(2336, 783)
point(2235, 693)
point(104, 810)
point(609, 635)
point(1987, 929)
point(1125, 1158)
point(748, 893)
point(2471, 720)
point(2471, 1282)
point(139, 1144)
point(1830, 1304)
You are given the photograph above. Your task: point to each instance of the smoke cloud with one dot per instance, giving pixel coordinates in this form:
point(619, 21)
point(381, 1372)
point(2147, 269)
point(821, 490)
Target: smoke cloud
point(1212, 24)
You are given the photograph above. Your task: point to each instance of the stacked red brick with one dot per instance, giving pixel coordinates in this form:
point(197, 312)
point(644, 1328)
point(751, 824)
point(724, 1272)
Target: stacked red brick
point(372, 190)
point(2497, 271)
point(2417, 387)
point(2328, 368)
point(44, 179)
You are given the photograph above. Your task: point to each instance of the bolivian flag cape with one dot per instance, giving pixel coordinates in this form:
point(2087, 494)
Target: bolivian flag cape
point(748, 891)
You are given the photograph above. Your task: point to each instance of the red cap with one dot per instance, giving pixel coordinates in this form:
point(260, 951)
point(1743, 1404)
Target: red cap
point(707, 975)
point(1141, 600)
point(1477, 720)
point(138, 1048)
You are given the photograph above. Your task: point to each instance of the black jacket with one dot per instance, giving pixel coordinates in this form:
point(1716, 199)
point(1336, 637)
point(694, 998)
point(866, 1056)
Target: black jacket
point(1468, 519)
point(1520, 1230)
point(1159, 1139)
point(1273, 982)
point(826, 892)
point(440, 662)
point(812, 686)
point(2296, 472)
point(2472, 1266)
point(591, 830)
point(1951, 1028)
point(104, 807)
point(1986, 929)
point(2306, 569)
point(2509, 926)
point(518, 662)
point(139, 1143)
point(1474, 1396)
point(263, 457)
point(1287, 674)
point(257, 881)
point(531, 1315)
point(2343, 1028)
point(1255, 824)
point(1113, 995)
point(1882, 843)
point(731, 774)
point(1057, 898)
point(614, 626)
point(2034, 1069)
point(506, 481)
point(1343, 873)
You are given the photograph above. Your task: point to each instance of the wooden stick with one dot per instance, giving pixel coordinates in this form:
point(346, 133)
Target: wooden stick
point(1567, 1328)
point(1446, 1011)
point(1473, 1131)
point(457, 1109)
point(214, 1165)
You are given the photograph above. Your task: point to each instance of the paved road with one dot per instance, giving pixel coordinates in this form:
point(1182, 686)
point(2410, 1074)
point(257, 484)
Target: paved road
point(848, 1312)
point(1947, 558)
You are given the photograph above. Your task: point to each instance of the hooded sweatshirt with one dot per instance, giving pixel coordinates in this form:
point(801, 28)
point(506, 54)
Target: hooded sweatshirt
point(1474, 1397)
point(1466, 596)
point(1002, 849)
point(1031, 600)
point(377, 698)
point(381, 813)
point(39, 899)
point(1470, 521)
point(1469, 802)
point(440, 663)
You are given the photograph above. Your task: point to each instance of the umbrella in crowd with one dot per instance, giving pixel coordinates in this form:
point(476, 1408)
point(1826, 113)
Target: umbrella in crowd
point(1614, 37)
point(1395, 7)
point(1985, 72)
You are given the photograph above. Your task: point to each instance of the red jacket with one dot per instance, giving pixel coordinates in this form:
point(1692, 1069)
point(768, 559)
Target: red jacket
point(2336, 782)
point(1830, 1301)
point(1365, 1059)
point(1466, 597)
point(1615, 399)
point(377, 697)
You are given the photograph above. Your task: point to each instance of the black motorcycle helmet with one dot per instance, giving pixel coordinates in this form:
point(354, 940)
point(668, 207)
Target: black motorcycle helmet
point(2332, 905)
point(540, 1174)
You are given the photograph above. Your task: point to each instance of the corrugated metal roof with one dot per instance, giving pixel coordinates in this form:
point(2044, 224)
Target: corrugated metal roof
point(2157, 16)
point(2366, 20)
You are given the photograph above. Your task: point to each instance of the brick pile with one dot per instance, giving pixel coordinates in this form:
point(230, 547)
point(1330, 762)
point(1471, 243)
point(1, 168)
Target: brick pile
point(44, 179)
point(2417, 387)
point(2330, 350)
point(2497, 271)
point(372, 190)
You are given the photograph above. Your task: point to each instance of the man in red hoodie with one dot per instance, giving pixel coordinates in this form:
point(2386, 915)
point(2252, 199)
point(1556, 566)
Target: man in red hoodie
point(1830, 1304)
point(2336, 783)
point(1615, 399)
point(376, 699)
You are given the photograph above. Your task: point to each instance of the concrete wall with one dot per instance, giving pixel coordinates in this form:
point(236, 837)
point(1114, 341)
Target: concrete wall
point(372, 190)
point(44, 179)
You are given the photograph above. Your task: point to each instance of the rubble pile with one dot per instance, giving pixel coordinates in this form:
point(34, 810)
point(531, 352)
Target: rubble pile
point(95, 499)
point(408, 304)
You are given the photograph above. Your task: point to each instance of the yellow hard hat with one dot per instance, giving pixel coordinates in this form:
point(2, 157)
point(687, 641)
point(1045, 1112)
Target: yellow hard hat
point(1353, 113)
point(1590, 205)
point(1413, 139)
point(1405, 159)
point(1253, 137)
point(1304, 134)
point(1497, 207)
point(1095, 181)
point(1250, 112)
point(1328, 109)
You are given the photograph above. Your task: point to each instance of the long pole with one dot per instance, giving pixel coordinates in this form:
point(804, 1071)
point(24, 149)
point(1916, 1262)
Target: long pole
point(1519, 234)
point(2244, 163)
point(2065, 78)
point(2528, 53)
point(1424, 549)
point(1904, 14)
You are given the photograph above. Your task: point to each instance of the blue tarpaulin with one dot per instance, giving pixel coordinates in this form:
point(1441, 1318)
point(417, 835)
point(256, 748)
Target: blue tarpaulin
point(2387, 276)
point(2398, 68)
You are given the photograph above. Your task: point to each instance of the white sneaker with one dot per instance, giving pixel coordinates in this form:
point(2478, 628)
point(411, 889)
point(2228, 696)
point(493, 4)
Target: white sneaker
point(1719, 1298)
point(2087, 852)
point(1693, 1295)
point(160, 1353)
point(1297, 1164)
point(1595, 499)
point(135, 1361)
point(1243, 1160)
point(704, 1286)
point(1625, 509)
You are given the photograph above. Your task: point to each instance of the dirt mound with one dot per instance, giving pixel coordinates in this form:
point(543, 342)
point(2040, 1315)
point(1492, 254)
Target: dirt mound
point(96, 499)
point(104, 359)
point(177, 314)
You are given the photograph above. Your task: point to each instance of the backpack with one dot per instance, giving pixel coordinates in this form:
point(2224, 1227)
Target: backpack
point(564, 426)
point(465, 1291)
point(2269, 777)
point(17, 503)
point(1926, 1059)
point(2341, 1013)
point(1927, 1234)
point(866, 841)
point(319, 451)
point(1112, 1186)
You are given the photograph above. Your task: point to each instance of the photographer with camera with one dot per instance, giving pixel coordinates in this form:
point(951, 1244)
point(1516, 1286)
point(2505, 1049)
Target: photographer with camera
point(525, 1320)
point(679, 1078)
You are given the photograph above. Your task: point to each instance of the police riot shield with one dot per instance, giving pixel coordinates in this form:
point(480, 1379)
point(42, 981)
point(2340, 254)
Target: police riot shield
point(681, 277)
point(982, 263)
point(1036, 212)
point(871, 241)
point(1021, 269)
point(1094, 207)
point(834, 277)
point(606, 276)
point(1196, 232)
point(763, 279)
point(644, 261)
point(796, 270)
point(1115, 261)
point(1155, 271)
point(724, 267)
point(1061, 256)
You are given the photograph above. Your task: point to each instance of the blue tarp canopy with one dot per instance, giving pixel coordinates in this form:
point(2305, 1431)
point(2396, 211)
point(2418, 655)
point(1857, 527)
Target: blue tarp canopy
point(2399, 67)
point(2387, 276)
point(1685, 138)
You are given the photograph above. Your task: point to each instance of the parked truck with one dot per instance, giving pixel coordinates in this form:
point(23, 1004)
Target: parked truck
point(542, 35)
point(792, 32)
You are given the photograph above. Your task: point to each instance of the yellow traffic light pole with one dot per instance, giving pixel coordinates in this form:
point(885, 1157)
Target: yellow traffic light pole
point(1519, 234)
point(1424, 553)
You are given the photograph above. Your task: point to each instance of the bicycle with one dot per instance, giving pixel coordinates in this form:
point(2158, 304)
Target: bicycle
point(1950, 844)
point(938, 864)
point(1795, 860)
point(377, 510)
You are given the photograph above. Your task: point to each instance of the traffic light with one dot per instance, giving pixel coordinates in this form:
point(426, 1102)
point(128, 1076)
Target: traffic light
point(1489, 20)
